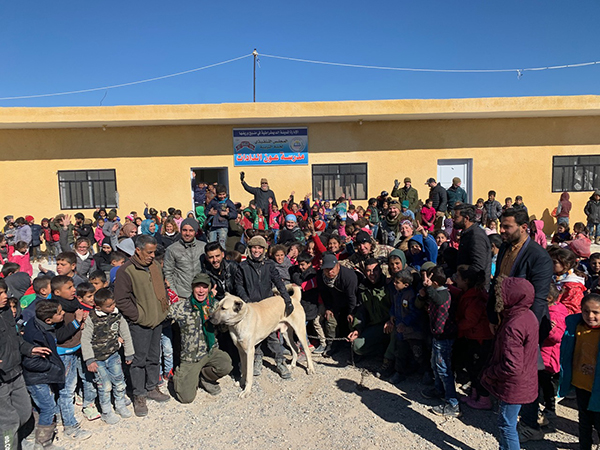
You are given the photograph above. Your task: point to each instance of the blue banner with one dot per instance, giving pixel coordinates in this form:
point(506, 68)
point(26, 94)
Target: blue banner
point(270, 146)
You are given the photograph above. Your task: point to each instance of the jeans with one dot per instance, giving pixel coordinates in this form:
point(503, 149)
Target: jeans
point(375, 230)
point(145, 368)
point(110, 378)
point(507, 424)
point(588, 420)
point(43, 397)
point(564, 220)
point(441, 363)
point(67, 393)
point(87, 381)
point(166, 348)
point(591, 226)
point(220, 234)
point(16, 411)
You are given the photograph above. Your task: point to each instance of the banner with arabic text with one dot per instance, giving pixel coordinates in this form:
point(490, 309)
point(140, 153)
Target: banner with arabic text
point(270, 146)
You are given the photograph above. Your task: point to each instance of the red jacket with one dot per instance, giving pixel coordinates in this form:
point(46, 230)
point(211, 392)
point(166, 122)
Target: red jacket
point(571, 293)
point(471, 316)
point(21, 260)
point(551, 346)
point(511, 373)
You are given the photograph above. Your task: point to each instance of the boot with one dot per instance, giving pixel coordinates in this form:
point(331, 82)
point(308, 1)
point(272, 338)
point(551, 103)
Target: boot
point(208, 381)
point(257, 366)
point(480, 403)
point(282, 369)
point(139, 406)
point(44, 435)
point(386, 369)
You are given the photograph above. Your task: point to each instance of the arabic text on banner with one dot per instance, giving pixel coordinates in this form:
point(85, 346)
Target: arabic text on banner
point(270, 146)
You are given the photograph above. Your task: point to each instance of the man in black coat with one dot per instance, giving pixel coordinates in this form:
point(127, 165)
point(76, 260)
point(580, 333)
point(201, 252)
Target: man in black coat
point(261, 194)
point(221, 271)
point(474, 248)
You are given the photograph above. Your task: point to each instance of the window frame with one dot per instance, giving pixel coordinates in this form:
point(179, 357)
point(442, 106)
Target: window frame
point(565, 176)
point(70, 185)
point(339, 174)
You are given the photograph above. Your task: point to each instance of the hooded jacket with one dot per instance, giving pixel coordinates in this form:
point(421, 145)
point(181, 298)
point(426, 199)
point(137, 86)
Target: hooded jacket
point(564, 205)
point(591, 209)
point(540, 236)
point(471, 316)
point(12, 346)
point(511, 373)
point(551, 346)
point(429, 251)
point(572, 289)
point(37, 369)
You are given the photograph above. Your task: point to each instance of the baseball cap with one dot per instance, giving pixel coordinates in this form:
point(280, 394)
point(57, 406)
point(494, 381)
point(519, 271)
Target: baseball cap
point(362, 237)
point(407, 180)
point(329, 261)
point(430, 180)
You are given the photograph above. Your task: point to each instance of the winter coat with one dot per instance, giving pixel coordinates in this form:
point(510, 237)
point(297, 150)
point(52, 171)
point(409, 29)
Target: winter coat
point(572, 289)
point(493, 209)
point(182, 263)
point(254, 281)
point(102, 261)
point(261, 198)
point(429, 251)
point(567, 348)
point(551, 346)
point(12, 347)
point(439, 197)
point(224, 281)
point(564, 205)
point(36, 232)
point(405, 311)
point(342, 296)
point(540, 236)
point(592, 210)
point(511, 373)
point(23, 233)
point(375, 304)
point(442, 312)
point(21, 259)
point(17, 283)
point(167, 240)
point(100, 337)
point(218, 221)
point(474, 249)
point(471, 316)
point(456, 194)
point(307, 281)
point(84, 266)
point(410, 194)
point(37, 369)
point(284, 269)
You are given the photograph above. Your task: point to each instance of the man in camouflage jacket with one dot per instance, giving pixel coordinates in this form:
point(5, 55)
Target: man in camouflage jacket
point(201, 359)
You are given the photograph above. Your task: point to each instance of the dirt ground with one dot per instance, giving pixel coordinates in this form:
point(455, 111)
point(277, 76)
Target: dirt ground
point(326, 410)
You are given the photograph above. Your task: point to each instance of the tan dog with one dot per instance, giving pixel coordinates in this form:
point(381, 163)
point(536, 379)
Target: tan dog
point(250, 323)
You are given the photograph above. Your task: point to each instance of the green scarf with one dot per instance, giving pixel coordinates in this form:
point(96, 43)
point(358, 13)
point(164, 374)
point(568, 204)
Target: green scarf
point(204, 308)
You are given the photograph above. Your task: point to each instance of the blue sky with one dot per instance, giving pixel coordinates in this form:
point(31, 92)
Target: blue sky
point(69, 45)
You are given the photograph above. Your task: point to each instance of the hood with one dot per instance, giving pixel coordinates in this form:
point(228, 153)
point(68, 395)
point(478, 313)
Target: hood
point(418, 238)
point(513, 294)
point(564, 196)
point(597, 191)
point(399, 254)
point(539, 226)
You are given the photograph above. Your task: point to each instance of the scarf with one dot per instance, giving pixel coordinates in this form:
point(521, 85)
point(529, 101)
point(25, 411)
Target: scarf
point(204, 308)
point(83, 257)
point(329, 282)
point(158, 283)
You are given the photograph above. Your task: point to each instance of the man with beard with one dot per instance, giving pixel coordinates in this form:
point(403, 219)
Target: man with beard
point(519, 256)
point(337, 286)
point(261, 194)
point(390, 225)
point(254, 282)
point(368, 336)
point(365, 248)
point(406, 193)
point(474, 247)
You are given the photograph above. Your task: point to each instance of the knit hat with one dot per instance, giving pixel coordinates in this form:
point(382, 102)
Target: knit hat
point(362, 237)
point(456, 181)
point(407, 180)
point(398, 254)
point(28, 218)
point(127, 246)
point(263, 180)
point(258, 241)
point(291, 218)
point(191, 222)
point(405, 203)
point(201, 278)
point(427, 265)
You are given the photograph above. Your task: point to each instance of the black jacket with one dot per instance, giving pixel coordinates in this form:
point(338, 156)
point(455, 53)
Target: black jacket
point(310, 291)
point(475, 250)
point(535, 265)
point(102, 261)
point(39, 370)
point(255, 279)
point(260, 197)
point(342, 297)
point(439, 197)
point(12, 346)
point(225, 280)
point(169, 240)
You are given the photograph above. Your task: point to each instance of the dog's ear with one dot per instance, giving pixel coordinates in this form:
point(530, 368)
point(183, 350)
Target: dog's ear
point(237, 306)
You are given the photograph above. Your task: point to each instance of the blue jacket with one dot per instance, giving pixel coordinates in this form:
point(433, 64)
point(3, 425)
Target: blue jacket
point(405, 311)
point(429, 251)
point(567, 347)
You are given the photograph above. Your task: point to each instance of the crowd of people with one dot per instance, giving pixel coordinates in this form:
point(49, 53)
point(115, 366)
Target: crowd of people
point(450, 292)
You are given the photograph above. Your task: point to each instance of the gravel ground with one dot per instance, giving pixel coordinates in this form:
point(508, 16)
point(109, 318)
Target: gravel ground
point(326, 410)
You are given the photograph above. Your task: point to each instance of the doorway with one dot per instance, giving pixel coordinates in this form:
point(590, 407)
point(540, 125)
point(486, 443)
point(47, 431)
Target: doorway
point(461, 168)
point(210, 175)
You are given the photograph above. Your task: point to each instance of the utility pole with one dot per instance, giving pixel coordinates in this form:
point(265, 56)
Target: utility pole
point(255, 54)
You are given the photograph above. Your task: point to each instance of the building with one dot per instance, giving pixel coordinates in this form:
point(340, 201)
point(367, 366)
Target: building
point(74, 159)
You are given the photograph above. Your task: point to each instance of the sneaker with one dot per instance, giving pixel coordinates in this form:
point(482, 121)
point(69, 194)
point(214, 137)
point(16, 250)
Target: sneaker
point(447, 410)
point(110, 418)
point(331, 349)
point(311, 348)
point(212, 387)
point(77, 433)
point(257, 366)
point(78, 400)
point(526, 433)
point(91, 412)
point(432, 393)
point(301, 357)
point(282, 370)
point(127, 401)
point(158, 396)
point(397, 378)
point(139, 406)
point(123, 411)
point(319, 350)
point(480, 403)
point(167, 376)
point(161, 380)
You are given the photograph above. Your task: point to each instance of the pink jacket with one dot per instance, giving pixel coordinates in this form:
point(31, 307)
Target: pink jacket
point(99, 235)
point(540, 237)
point(551, 346)
point(20, 259)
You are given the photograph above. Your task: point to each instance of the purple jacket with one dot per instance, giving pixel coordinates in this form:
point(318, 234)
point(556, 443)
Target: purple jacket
point(511, 374)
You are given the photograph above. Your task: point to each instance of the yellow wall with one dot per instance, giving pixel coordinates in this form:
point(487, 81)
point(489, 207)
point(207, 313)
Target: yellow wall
point(512, 156)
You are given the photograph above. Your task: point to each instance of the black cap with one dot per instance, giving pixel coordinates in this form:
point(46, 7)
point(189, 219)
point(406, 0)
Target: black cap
point(362, 237)
point(329, 261)
point(430, 180)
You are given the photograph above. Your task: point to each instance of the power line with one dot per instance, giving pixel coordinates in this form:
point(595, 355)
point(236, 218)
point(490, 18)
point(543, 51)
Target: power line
point(114, 86)
point(519, 72)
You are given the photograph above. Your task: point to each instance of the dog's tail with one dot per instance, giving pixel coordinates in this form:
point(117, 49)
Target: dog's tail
point(292, 289)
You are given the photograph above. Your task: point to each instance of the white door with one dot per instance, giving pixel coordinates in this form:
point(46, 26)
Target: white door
point(450, 168)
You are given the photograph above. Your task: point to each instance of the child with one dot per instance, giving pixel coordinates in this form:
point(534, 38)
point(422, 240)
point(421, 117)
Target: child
point(491, 227)
point(396, 262)
point(372, 214)
point(282, 262)
point(580, 366)
point(511, 373)
point(592, 212)
point(579, 231)
point(117, 259)
point(85, 297)
point(562, 234)
point(274, 214)
point(536, 232)
point(593, 272)
point(569, 280)
point(474, 341)
point(428, 215)
point(49, 240)
point(20, 254)
point(480, 214)
point(66, 264)
point(305, 276)
point(495, 243)
point(98, 279)
point(443, 328)
point(519, 204)
point(41, 287)
point(260, 222)
point(45, 375)
point(551, 353)
point(508, 204)
point(295, 249)
point(407, 326)
point(493, 208)
point(99, 234)
point(100, 343)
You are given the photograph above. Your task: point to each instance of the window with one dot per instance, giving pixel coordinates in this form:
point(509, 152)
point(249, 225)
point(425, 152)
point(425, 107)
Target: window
point(575, 173)
point(333, 180)
point(87, 189)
